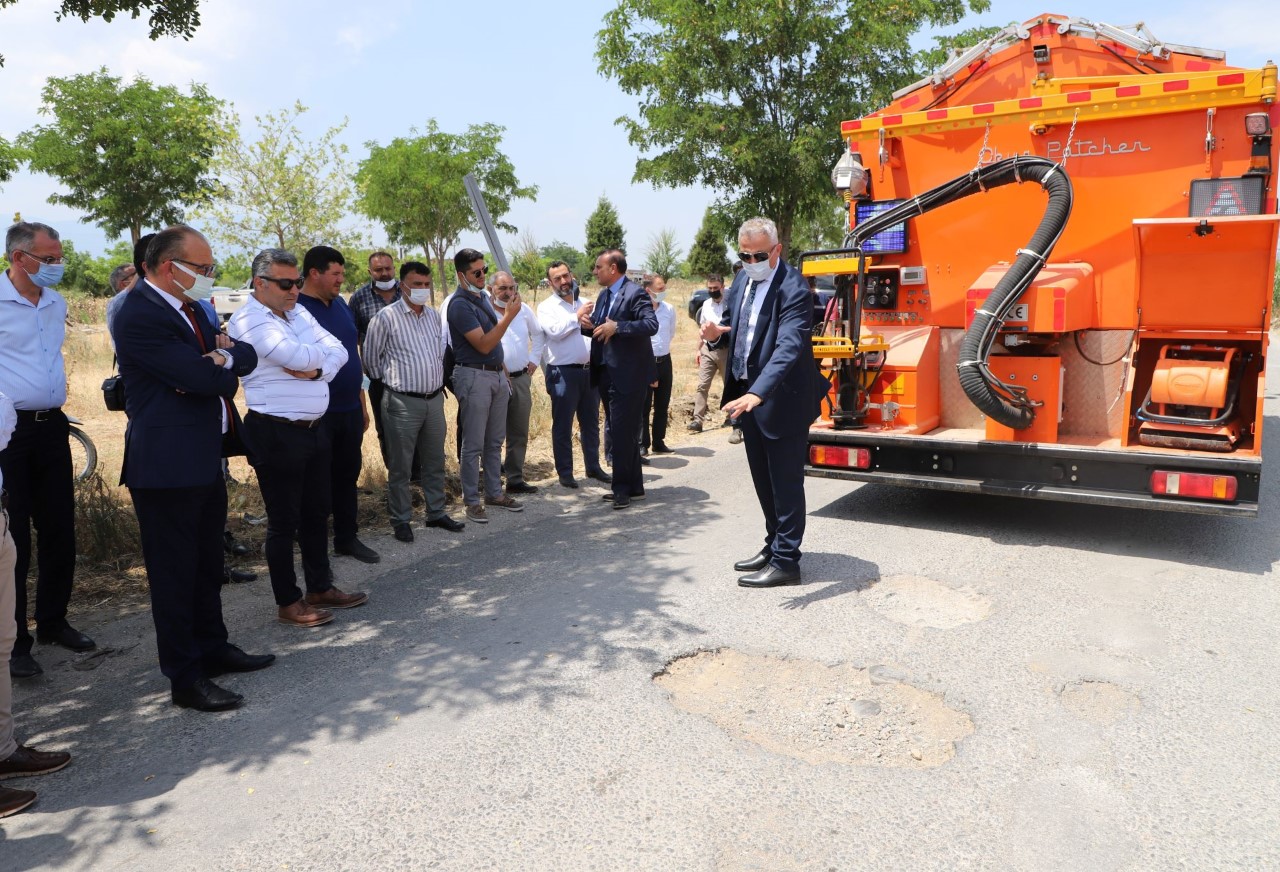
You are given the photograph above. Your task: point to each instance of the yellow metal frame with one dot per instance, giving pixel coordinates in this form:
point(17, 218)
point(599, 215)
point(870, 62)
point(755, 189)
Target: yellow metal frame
point(1125, 97)
point(833, 266)
point(842, 347)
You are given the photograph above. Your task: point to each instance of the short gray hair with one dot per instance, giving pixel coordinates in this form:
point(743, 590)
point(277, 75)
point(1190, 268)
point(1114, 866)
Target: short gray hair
point(269, 257)
point(117, 274)
point(23, 235)
point(759, 227)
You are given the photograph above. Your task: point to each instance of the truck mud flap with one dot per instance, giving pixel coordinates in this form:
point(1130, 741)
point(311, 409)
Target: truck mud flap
point(1109, 477)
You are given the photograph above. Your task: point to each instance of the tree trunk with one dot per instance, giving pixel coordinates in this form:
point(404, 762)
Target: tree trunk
point(135, 232)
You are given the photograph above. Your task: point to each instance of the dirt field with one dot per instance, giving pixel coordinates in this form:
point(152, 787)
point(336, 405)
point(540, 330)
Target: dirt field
point(109, 570)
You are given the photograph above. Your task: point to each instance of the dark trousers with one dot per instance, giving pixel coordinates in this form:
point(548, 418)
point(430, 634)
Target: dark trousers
point(346, 440)
point(182, 547)
point(572, 396)
point(657, 405)
point(777, 471)
point(37, 475)
point(625, 411)
point(293, 466)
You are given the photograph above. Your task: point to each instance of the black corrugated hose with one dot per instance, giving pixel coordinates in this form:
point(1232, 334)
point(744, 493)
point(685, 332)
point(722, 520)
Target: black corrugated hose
point(1006, 404)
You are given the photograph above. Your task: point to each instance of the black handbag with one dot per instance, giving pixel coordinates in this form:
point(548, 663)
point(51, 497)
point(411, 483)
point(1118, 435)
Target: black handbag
point(113, 390)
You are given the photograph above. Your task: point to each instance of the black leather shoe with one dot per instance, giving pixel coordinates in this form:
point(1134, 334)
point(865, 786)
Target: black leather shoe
point(234, 659)
point(403, 533)
point(567, 481)
point(23, 666)
point(601, 475)
point(621, 502)
point(663, 449)
point(232, 546)
point(68, 637)
point(753, 564)
point(644, 461)
point(521, 487)
point(633, 497)
point(237, 576)
point(205, 696)
point(357, 549)
point(770, 576)
point(444, 522)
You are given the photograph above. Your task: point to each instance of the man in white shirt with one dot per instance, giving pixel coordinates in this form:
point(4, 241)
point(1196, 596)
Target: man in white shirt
point(287, 396)
point(522, 347)
point(713, 356)
point(657, 405)
point(568, 378)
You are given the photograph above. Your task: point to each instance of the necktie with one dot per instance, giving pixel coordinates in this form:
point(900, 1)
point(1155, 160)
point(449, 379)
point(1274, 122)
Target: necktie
point(741, 348)
point(603, 305)
point(204, 346)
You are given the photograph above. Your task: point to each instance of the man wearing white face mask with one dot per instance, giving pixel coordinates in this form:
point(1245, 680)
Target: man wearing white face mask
point(368, 300)
point(37, 462)
point(404, 350)
point(522, 347)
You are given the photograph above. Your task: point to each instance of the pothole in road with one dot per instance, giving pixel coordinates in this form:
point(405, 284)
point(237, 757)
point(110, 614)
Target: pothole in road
point(923, 602)
point(1099, 701)
point(817, 713)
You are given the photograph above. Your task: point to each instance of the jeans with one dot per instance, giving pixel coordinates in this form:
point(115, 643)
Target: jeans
point(482, 411)
point(573, 396)
point(293, 466)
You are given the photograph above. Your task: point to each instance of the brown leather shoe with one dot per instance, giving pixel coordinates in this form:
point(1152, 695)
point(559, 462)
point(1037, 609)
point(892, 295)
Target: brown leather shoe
point(300, 614)
point(336, 599)
point(13, 801)
point(29, 761)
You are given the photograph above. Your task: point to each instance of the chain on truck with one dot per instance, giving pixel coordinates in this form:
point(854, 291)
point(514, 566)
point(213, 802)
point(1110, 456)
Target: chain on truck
point(1057, 282)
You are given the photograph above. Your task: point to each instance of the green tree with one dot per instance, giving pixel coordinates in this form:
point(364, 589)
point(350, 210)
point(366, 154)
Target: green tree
point(558, 250)
point(8, 160)
point(413, 186)
point(663, 255)
point(824, 228)
point(129, 156)
point(707, 255)
point(166, 17)
point(284, 189)
point(528, 266)
point(747, 96)
point(604, 231)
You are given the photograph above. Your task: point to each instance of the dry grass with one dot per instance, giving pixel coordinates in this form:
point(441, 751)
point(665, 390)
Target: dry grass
point(109, 563)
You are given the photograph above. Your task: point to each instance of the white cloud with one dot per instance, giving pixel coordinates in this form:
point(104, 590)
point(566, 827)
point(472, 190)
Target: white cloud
point(355, 38)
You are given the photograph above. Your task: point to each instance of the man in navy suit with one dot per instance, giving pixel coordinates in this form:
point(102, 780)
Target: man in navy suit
point(180, 377)
point(773, 388)
point(620, 322)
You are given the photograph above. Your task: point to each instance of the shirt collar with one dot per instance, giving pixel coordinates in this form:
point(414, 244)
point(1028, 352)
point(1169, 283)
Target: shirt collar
point(614, 288)
point(9, 291)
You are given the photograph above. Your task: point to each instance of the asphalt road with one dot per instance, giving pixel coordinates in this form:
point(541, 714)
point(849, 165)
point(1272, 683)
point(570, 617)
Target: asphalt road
point(494, 707)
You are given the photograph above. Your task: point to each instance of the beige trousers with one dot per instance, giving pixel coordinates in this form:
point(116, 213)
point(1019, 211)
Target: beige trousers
point(8, 633)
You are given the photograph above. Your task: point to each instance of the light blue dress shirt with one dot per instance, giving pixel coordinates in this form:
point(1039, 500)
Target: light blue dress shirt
point(32, 373)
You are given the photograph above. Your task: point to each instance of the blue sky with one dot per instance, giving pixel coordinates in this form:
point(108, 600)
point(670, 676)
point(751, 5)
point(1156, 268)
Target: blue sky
point(526, 66)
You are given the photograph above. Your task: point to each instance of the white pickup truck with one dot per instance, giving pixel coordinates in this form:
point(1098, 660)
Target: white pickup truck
point(227, 300)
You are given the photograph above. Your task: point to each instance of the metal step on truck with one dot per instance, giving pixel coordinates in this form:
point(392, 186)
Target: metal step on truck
point(1058, 277)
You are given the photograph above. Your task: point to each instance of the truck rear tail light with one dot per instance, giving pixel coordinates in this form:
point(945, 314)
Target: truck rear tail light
point(1193, 485)
point(835, 455)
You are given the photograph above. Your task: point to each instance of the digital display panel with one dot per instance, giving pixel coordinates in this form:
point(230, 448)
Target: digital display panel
point(892, 240)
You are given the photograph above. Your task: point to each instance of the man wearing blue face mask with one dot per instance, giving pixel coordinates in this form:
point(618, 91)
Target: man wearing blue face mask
point(37, 462)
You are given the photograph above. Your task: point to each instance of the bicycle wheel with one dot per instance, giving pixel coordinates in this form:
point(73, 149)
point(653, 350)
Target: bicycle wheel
point(84, 455)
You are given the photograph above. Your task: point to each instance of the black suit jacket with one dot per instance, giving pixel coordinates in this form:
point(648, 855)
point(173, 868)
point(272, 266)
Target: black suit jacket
point(781, 369)
point(626, 361)
point(173, 395)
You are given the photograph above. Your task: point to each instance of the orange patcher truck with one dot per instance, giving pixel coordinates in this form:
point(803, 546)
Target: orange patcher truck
point(1058, 276)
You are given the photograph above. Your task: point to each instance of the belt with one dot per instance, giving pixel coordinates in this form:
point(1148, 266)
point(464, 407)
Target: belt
point(430, 396)
point(485, 366)
point(303, 425)
point(518, 373)
point(663, 357)
point(570, 365)
point(37, 415)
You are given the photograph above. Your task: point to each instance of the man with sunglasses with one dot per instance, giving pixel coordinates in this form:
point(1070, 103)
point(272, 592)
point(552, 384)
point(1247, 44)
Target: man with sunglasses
point(37, 463)
point(772, 387)
point(288, 395)
point(480, 383)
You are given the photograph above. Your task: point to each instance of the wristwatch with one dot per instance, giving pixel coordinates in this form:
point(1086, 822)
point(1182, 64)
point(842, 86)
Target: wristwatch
point(319, 372)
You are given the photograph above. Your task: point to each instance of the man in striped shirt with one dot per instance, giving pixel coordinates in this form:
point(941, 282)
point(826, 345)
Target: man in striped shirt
point(287, 396)
point(404, 349)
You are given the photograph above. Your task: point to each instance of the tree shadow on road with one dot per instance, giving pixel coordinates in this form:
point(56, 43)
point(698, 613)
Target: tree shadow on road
point(525, 615)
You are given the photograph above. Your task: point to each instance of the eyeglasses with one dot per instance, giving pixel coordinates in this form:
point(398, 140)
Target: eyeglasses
point(283, 284)
point(477, 273)
point(47, 259)
point(748, 257)
point(204, 269)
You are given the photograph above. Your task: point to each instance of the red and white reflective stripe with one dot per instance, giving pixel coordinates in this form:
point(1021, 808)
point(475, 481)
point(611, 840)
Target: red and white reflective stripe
point(1193, 485)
